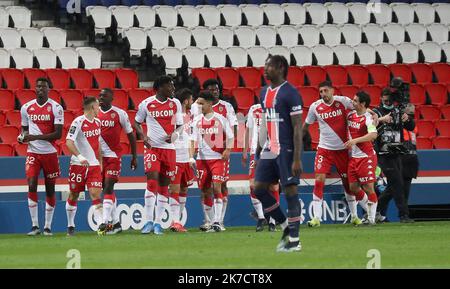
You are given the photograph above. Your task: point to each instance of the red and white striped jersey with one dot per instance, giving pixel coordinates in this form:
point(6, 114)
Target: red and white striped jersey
point(222, 107)
point(183, 143)
point(211, 135)
point(113, 121)
point(254, 118)
point(332, 120)
point(161, 118)
point(41, 119)
point(86, 136)
point(358, 126)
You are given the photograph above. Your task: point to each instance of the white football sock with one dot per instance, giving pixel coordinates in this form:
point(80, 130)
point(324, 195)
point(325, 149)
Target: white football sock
point(351, 201)
point(71, 211)
point(363, 202)
point(175, 209)
point(372, 211)
point(160, 206)
point(33, 207)
point(98, 213)
point(218, 205)
point(150, 201)
point(108, 207)
point(258, 208)
point(49, 210)
point(224, 209)
point(317, 207)
point(182, 204)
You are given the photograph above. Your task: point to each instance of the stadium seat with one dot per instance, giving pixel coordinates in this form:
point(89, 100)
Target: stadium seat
point(303, 55)
point(137, 95)
point(91, 92)
point(125, 148)
point(424, 143)
point(379, 74)
point(13, 118)
point(2, 119)
point(384, 15)
point(395, 33)
point(68, 57)
point(211, 16)
point(127, 78)
point(194, 56)
point(401, 70)
point(388, 53)
point(10, 38)
point(409, 52)
point(359, 75)
point(425, 13)
point(314, 132)
point(339, 12)
point(244, 97)
point(203, 74)
point(32, 37)
point(352, 34)
point(6, 150)
point(375, 94)
point(104, 78)
point(295, 12)
point(246, 36)
point(145, 16)
point(254, 14)
point(437, 93)
point(181, 37)
point(258, 55)
point(309, 95)
point(443, 11)
point(345, 54)
point(22, 57)
point(123, 18)
point(55, 37)
point(280, 50)
point(422, 73)
point(274, 13)
point(439, 33)
point(289, 35)
point(168, 16)
point(428, 112)
point(46, 58)
point(189, 15)
point(446, 49)
point(417, 33)
point(441, 142)
point(12, 78)
point(314, 75)
point(21, 16)
point(81, 78)
point(359, 12)
point(24, 95)
point(331, 34)
point(131, 115)
point(120, 99)
point(173, 59)
point(373, 34)
point(4, 58)
point(31, 75)
point(441, 72)
point(445, 110)
point(91, 57)
point(136, 40)
point(4, 18)
point(323, 54)
point(318, 13)
point(296, 76)
point(348, 90)
point(224, 37)
point(425, 128)
point(267, 36)
point(101, 19)
point(443, 127)
point(232, 15)
point(404, 13)
point(417, 94)
point(365, 53)
point(431, 51)
point(309, 35)
point(140, 147)
point(216, 57)
point(337, 74)
point(229, 78)
point(69, 116)
point(238, 56)
point(59, 78)
point(7, 101)
point(8, 134)
point(203, 37)
point(73, 99)
point(251, 77)
point(21, 149)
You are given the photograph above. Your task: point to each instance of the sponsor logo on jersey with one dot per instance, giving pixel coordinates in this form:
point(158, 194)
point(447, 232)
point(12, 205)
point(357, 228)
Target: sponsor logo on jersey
point(92, 133)
point(208, 130)
point(353, 124)
point(108, 123)
point(40, 117)
point(161, 113)
point(330, 114)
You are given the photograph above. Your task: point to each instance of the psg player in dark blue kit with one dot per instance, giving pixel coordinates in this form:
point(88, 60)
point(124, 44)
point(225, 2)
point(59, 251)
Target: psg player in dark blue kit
point(279, 150)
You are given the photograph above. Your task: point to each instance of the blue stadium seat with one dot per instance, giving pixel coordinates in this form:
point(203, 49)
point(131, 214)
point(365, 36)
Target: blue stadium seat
point(234, 2)
point(172, 2)
point(108, 3)
point(86, 3)
point(276, 1)
point(214, 2)
point(131, 2)
point(193, 2)
point(152, 2)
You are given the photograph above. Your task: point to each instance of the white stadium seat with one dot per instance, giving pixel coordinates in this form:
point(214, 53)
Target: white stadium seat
point(303, 55)
point(443, 11)
point(217, 57)
point(274, 13)
point(310, 35)
point(22, 57)
point(404, 13)
point(280, 50)
point(10, 38)
point(194, 56)
point(254, 15)
point(91, 56)
point(409, 52)
point(446, 49)
point(224, 36)
point(331, 34)
point(173, 57)
point(374, 34)
point(145, 15)
point(4, 18)
point(439, 32)
point(168, 16)
point(267, 36)
point(68, 57)
point(345, 54)
point(159, 38)
point(417, 33)
point(318, 13)
point(432, 51)
point(21, 16)
point(387, 53)
point(246, 36)
point(203, 37)
point(181, 37)
point(4, 58)
point(339, 12)
point(359, 13)
point(366, 53)
point(190, 16)
point(295, 12)
point(124, 17)
point(32, 37)
point(323, 54)
point(137, 39)
point(395, 33)
point(385, 14)
point(211, 16)
point(425, 13)
point(101, 17)
point(258, 55)
point(46, 57)
point(352, 34)
point(238, 56)
point(289, 35)
point(56, 37)
point(232, 15)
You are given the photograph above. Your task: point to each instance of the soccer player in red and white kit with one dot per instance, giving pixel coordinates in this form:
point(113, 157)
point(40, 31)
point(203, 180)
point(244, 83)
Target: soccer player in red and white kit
point(83, 141)
point(226, 110)
point(251, 140)
point(331, 113)
point(42, 123)
point(113, 120)
point(361, 170)
point(213, 137)
point(184, 174)
point(163, 115)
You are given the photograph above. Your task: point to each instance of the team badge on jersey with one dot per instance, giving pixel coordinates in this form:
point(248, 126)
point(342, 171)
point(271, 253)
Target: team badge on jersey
point(72, 129)
point(170, 105)
point(113, 115)
point(337, 105)
point(49, 108)
point(220, 109)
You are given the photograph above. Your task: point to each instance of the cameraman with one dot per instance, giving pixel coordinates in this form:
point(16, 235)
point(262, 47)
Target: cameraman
point(390, 148)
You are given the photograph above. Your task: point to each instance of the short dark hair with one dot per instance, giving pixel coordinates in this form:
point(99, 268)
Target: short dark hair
point(206, 95)
point(211, 81)
point(363, 97)
point(326, 83)
point(281, 62)
point(160, 81)
point(183, 94)
point(43, 79)
point(108, 90)
point(386, 91)
point(88, 100)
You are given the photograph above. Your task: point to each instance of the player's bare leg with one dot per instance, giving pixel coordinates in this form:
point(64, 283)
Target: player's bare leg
point(317, 200)
point(162, 201)
point(50, 203)
point(150, 201)
point(33, 205)
point(109, 202)
point(175, 208)
point(71, 211)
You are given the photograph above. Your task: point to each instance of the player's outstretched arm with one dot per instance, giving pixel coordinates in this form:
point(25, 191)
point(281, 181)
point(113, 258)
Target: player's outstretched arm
point(55, 135)
point(298, 144)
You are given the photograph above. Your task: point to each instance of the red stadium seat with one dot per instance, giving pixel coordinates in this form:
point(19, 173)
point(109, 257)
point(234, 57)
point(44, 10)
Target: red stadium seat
point(266, 81)
point(424, 143)
point(375, 94)
point(138, 95)
point(441, 71)
point(59, 78)
point(21, 149)
point(417, 94)
point(401, 70)
point(131, 115)
point(347, 90)
point(13, 117)
point(422, 73)
point(73, 99)
point(13, 78)
point(314, 74)
point(91, 92)
point(6, 150)
point(358, 74)
point(296, 76)
point(7, 101)
point(81, 78)
point(309, 95)
point(425, 128)
point(125, 148)
point(25, 95)
point(140, 147)
point(104, 78)
point(68, 118)
point(203, 74)
point(337, 74)
point(251, 77)
point(441, 142)
point(64, 149)
point(443, 127)
point(120, 99)
point(229, 78)
point(445, 110)
point(314, 132)
point(437, 93)
point(31, 75)
point(2, 119)
point(429, 112)
point(128, 78)
point(54, 94)
point(379, 74)
point(244, 97)
point(9, 134)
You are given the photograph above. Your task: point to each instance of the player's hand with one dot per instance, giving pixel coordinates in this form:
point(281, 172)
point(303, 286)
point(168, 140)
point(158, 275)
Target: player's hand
point(192, 163)
point(405, 117)
point(84, 163)
point(244, 160)
point(133, 164)
point(147, 142)
point(172, 138)
point(297, 168)
point(349, 144)
point(386, 119)
point(28, 137)
point(226, 154)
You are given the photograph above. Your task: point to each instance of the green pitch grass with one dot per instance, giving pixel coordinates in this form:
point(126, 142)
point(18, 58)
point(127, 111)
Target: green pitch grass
point(419, 245)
